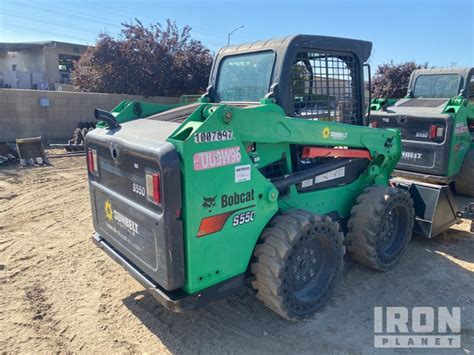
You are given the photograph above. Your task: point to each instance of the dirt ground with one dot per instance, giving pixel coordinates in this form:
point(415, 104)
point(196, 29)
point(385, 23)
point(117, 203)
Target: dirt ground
point(61, 293)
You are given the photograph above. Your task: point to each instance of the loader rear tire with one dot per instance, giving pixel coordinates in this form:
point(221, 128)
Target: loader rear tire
point(380, 227)
point(298, 264)
point(84, 132)
point(78, 137)
point(465, 181)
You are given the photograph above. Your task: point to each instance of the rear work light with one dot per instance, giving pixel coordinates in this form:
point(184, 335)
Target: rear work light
point(153, 187)
point(436, 132)
point(92, 164)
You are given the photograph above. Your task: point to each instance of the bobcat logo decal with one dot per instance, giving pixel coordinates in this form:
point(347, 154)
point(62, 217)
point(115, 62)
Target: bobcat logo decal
point(208, 202)
point(388, 142)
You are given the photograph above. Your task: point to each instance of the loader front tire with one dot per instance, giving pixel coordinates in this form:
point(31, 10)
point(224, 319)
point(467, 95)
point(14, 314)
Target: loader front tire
point(298, 264)
point(465, 181)
point(380, 227)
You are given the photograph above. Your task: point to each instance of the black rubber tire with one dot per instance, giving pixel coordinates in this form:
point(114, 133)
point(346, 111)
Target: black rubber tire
point(380, 227)
point(78, 136)
point(84, 132)
point(292, 243)
point(465, 181)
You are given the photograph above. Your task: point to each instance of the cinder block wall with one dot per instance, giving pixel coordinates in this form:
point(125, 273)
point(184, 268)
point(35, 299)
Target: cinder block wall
point(21, 115)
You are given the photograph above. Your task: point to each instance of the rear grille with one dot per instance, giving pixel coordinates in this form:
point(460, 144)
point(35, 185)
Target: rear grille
point(175, 115)
point(423, 103)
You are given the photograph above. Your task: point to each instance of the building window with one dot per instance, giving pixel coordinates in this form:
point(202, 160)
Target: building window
point(13, 67)
point(66, 66)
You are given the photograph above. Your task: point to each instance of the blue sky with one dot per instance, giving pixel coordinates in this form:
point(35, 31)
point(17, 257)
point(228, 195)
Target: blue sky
point(440, 32)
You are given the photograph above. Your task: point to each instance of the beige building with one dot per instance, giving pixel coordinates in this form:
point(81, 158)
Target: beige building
point(38, 65)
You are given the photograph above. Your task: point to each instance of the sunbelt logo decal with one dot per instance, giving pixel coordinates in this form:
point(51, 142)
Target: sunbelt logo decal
point(109, 213)
point(123, 221)
point(327, 133)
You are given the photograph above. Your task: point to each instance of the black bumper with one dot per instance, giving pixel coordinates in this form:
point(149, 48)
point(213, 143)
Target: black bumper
point(176, 301)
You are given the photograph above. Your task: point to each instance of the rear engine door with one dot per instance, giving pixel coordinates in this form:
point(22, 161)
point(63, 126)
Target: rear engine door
point(426, 141)
point(135, 187)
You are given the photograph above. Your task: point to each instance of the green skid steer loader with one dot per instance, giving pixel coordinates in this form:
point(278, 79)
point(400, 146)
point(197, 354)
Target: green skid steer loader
point(436, 121)
point(268, 178)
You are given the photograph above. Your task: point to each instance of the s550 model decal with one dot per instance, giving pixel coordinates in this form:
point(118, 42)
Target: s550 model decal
point(215, 136)
point(140, 190)
point(421, 135)
point(216, 158)
point(243, 218)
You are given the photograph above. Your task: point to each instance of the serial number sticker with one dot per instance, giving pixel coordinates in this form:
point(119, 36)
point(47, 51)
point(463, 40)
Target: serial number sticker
point(216, 158)
point(243, 173)
point(214, 136)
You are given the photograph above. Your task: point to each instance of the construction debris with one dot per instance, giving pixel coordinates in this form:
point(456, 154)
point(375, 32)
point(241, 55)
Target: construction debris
point(76, 143)
point(31, 151)
point(7, 154)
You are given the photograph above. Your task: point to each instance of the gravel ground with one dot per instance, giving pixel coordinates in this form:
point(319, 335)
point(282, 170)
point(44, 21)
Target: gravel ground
point(61, 293)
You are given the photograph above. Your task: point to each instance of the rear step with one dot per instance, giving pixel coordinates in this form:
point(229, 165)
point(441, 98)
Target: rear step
point(176, 301)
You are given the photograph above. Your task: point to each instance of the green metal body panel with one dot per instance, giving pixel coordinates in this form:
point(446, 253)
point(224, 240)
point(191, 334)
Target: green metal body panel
point(378, 103)
point(131, 110)
point(462, 114)
point(218, 256)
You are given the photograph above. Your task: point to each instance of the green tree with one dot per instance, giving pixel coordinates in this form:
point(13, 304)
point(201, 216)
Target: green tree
point(152, 61)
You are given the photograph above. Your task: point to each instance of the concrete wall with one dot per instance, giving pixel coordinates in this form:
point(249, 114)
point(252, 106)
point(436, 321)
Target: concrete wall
point(21, 115)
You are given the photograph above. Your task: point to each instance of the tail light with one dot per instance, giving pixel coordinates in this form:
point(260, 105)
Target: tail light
point(436, 132)
point(153, 187)
point(92, 164)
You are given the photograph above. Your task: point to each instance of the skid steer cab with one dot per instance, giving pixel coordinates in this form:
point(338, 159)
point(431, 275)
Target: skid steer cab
point(436, 121)
point(269, 178)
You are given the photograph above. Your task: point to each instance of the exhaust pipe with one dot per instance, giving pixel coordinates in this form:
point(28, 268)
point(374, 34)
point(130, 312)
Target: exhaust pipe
point(107, 117)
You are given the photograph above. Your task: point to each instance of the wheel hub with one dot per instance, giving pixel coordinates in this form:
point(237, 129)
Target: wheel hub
point(390, 230)
point(304, 266)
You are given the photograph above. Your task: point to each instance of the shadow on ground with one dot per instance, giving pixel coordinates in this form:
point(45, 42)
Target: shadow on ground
point(429, 274)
